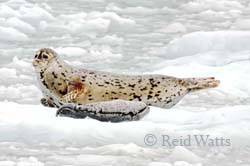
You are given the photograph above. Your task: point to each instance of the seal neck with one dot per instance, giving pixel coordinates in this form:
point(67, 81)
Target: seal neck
point(60, 64)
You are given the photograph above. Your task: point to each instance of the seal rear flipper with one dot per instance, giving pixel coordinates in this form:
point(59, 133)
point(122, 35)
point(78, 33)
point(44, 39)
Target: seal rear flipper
point(109, 111)
point(194, 84)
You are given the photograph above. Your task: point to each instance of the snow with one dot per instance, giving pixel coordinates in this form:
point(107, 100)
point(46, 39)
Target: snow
point(71, 51)
point(202, 42)
point(6, 11)
point(11, 34)
point(186, 38)
point(241, 24)
point(182, 154)
point(174, 28)
point(110, 40)
point(115, 19)
point(21, 25)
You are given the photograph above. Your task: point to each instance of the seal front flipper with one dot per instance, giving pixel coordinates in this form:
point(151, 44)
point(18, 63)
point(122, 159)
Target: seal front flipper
point(109, 111)
point(47, 102)
point(75, 89)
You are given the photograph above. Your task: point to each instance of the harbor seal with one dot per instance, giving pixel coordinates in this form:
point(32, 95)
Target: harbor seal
point(113, 111)
point(62, 84)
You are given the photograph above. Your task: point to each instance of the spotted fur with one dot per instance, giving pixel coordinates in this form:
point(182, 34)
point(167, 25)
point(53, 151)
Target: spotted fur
point(63, 84)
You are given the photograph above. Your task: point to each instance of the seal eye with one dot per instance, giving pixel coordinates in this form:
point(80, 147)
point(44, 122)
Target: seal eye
point(45, 56)
point(36, 56)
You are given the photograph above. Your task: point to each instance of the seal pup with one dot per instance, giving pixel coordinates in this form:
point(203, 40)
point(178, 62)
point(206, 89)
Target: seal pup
point(113, 111)
point(62, 84)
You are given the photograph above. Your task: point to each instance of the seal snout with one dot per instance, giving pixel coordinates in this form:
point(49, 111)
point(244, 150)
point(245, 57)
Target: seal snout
point(34, 62)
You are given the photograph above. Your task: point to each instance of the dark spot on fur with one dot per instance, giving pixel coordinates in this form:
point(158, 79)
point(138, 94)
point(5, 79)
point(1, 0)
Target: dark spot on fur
point(136, 97)
point(45, 84)
point(145, 88)
point(169, 101)
point(149, 96)
point(131, 85)
point(152, 82)
point(54, 75)
point(63, 74)
point(41, 75)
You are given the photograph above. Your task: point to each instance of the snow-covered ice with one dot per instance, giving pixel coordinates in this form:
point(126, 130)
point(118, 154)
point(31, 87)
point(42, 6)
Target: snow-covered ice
point(184, 38)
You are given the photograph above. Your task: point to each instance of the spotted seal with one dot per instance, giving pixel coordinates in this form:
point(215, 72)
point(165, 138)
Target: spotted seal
point(82, 92)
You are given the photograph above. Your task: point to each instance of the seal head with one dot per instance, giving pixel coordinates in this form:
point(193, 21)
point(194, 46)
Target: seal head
point(43, 59)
